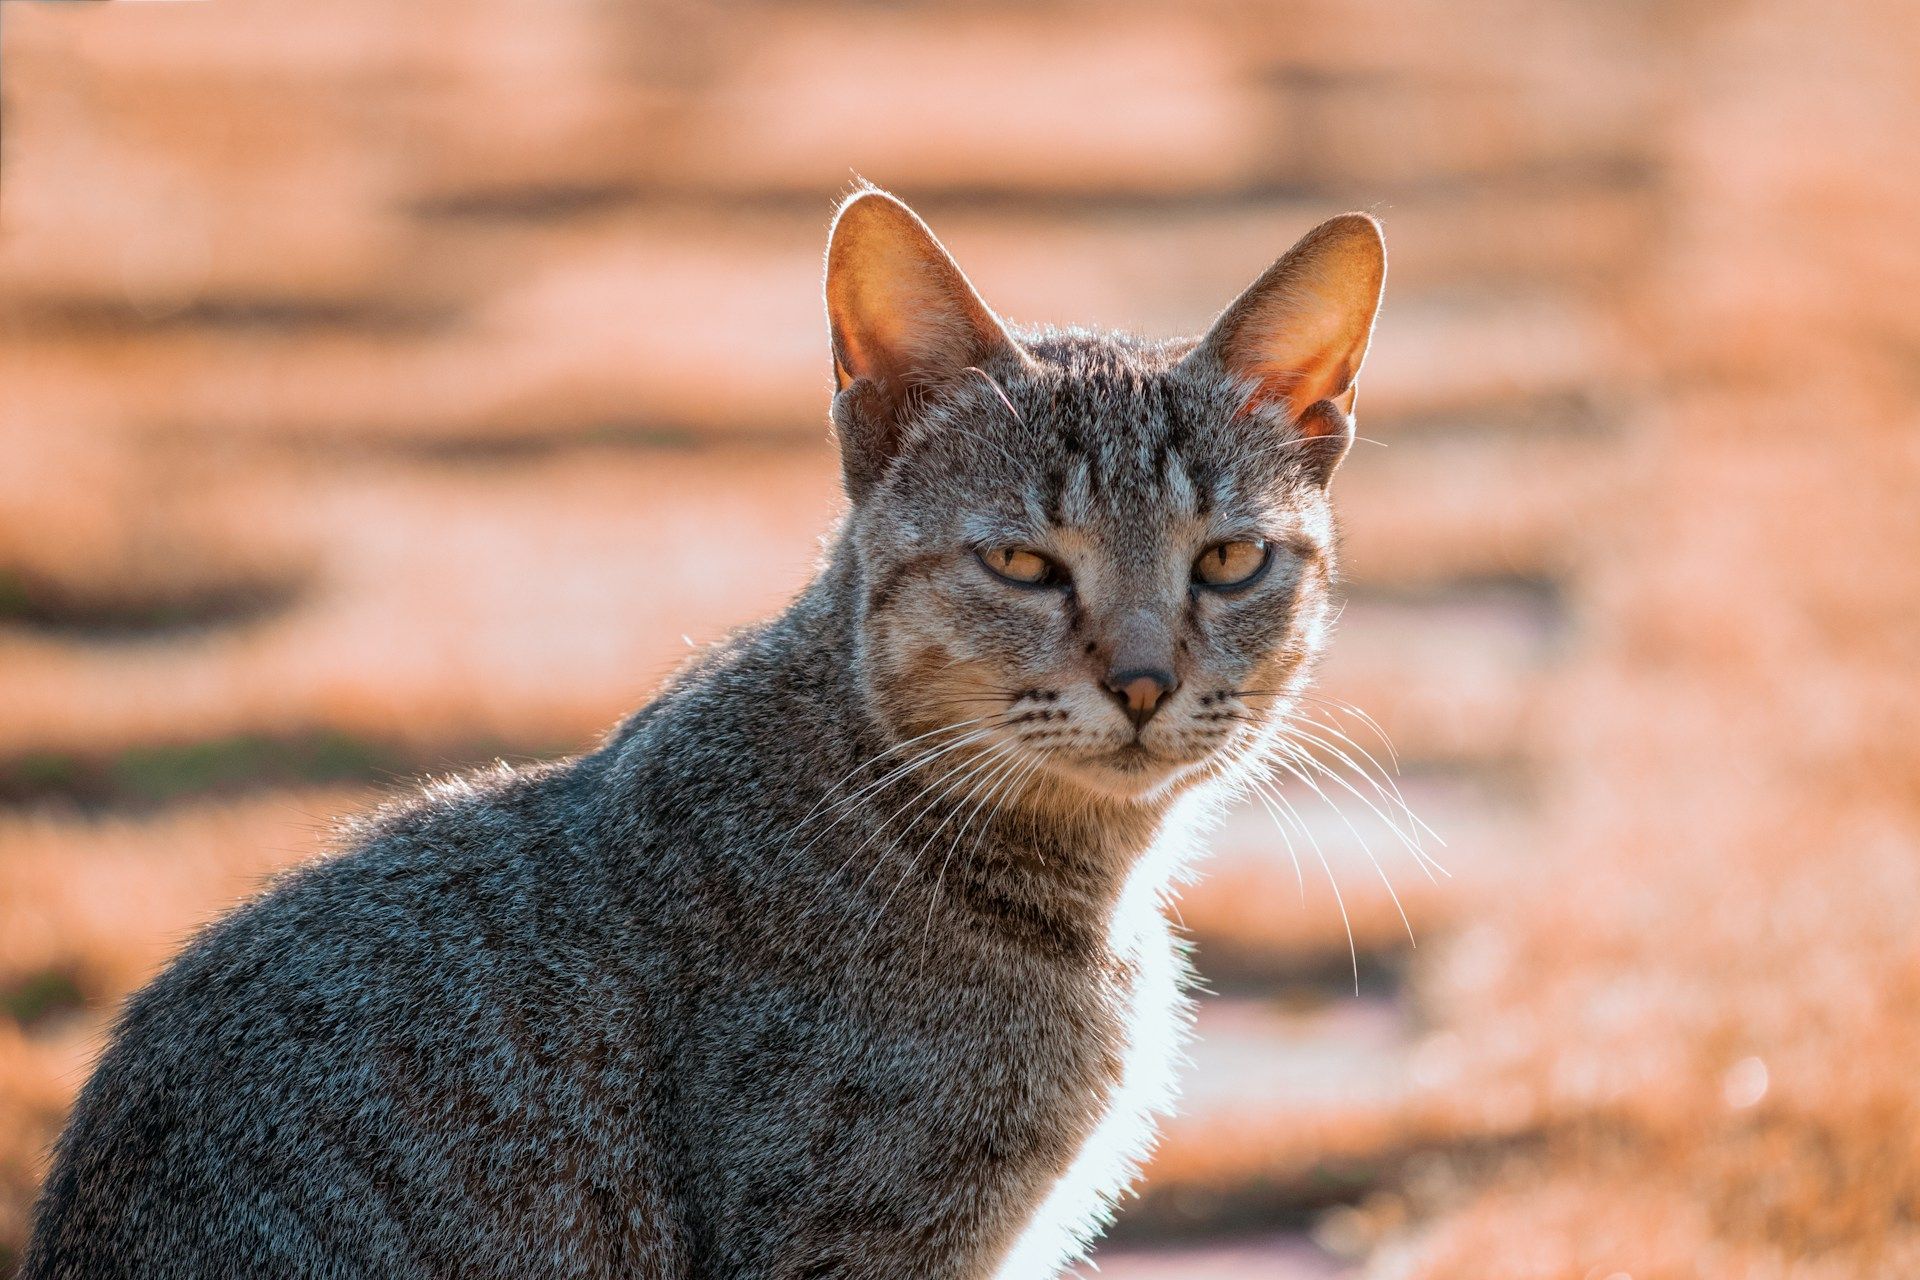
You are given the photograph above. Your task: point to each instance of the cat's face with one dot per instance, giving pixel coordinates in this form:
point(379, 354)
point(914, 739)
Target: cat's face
point(1087, 557)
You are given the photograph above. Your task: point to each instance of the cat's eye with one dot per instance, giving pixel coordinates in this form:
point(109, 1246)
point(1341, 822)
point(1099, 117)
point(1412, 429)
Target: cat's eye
point(1227, 565)
point(1022, 567)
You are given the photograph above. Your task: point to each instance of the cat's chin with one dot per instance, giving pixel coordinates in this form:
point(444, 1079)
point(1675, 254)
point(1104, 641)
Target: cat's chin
point(1132, 774)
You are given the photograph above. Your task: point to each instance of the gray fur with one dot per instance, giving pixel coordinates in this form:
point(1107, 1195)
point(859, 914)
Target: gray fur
point(731, 996)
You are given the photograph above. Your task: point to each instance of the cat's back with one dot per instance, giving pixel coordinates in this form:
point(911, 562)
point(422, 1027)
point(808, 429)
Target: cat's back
point(367, 1069)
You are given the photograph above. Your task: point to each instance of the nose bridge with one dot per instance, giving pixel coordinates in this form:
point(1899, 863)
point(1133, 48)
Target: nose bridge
point(1139, 638)
point(1136, 647)
point(1141, 603)
point(1139, 663)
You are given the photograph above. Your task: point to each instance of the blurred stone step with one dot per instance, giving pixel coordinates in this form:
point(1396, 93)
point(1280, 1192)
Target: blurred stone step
point(295, 208)
point(786, 100)
point(350, 41)
point(1291, 1105)
point(1438, 39)
point(1262, 909)
point(1265, 1057)
point(1281, 1256)
point(535, 599)
point(533, 602)
point(1164, 262)
point(139, 213)
point(1427, 513)
point(360, 114)
point(155, 155)
point(691, 337)
point(1455, 674)
point(1205, 98)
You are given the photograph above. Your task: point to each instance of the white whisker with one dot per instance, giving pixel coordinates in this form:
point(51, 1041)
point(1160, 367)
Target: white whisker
point(880, 828)
point(973, 779)
point(1299, 875)
point(1383, 783)
point(1009, 767)
point(927, 756)
point(1353, 950)
point(1366, 848)
point(1308, 760)
point(881, 755)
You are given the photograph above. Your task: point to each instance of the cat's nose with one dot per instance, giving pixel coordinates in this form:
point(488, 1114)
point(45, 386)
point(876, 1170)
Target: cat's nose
point(1141, 691)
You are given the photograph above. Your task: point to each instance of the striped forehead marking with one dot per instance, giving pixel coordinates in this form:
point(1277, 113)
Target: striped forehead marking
point(1076, 503)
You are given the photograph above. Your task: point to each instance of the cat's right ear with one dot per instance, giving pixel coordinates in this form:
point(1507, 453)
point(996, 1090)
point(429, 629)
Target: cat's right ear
point(904, 321)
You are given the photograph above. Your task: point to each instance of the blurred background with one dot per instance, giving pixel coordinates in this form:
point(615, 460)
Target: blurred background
point(386, 388)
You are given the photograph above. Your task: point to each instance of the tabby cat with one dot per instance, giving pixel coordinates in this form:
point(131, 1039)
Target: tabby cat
point(843, 957)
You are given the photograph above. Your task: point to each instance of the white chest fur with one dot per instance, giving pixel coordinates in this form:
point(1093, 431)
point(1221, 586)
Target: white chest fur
point(1157, 1018)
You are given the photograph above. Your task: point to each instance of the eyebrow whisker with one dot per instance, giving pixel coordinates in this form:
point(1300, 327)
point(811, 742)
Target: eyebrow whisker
point(997, 390)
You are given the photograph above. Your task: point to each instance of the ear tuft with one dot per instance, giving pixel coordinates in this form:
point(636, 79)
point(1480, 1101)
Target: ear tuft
point(1298, 335)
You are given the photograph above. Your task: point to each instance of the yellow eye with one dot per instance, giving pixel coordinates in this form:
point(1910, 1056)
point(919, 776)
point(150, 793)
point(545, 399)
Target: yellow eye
point(1017, 564)
point(1231, 564)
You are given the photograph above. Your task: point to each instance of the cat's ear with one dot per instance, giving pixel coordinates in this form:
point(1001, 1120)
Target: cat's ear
point(1297, 336)
point(904, 321)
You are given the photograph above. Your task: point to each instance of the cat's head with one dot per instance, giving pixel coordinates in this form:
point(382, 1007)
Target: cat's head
point(1108, 558)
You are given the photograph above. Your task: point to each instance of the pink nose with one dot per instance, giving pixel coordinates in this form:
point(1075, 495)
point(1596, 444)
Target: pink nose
point(1141, 692)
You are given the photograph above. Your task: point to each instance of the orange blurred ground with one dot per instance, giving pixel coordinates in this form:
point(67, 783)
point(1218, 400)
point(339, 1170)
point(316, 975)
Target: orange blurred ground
point(386, 389)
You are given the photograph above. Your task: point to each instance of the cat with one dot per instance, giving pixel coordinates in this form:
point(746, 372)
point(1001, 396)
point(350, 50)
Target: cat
point(846, 955)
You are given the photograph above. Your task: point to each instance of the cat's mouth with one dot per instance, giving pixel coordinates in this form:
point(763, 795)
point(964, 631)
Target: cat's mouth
point(1134, 758)
point(1134, 767)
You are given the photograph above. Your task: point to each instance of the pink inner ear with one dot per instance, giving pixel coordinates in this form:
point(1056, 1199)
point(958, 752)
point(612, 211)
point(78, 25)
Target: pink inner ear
point(1296, 385)
point(905, 315)
point(853, 359)
point(1301, 330)
point(1299, 348)
point(1322, 418)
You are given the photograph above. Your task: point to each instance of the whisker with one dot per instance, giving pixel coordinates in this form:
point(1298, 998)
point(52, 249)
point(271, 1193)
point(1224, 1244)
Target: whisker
point(1390, 786)
point(973, 781)
point(1300, 761)
point(999, 778)
point(1410, 842)
point(1335, 705)
point(924, 756)
point(1019, 780)
point(1292, 856)
point(881, 755)
point(847, 861)
point(1301, 727)
point(1353, 950)
point(925, 793)
point(1366, 848)
point(998, 390)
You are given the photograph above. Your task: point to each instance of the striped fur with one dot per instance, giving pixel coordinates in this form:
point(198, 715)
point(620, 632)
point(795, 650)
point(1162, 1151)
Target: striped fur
point(844, 956)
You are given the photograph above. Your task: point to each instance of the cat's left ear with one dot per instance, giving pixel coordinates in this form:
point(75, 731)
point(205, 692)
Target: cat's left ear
point(1297, 337)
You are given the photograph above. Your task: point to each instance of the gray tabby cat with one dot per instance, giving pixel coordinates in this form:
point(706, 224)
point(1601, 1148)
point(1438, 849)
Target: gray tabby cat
point(845, 956)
